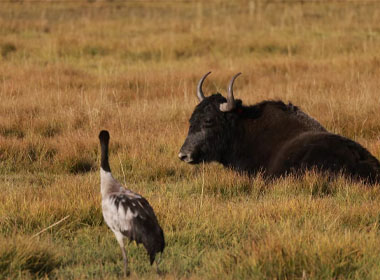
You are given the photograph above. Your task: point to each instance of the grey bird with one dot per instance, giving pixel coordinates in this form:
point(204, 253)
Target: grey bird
point(127, 213)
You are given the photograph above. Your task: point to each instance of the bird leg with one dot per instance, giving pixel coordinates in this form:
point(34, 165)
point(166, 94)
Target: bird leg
point(125, 260)
point(158, 261)
point(120, 238)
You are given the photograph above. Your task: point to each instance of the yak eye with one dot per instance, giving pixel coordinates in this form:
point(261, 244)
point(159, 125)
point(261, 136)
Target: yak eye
point(208, 122)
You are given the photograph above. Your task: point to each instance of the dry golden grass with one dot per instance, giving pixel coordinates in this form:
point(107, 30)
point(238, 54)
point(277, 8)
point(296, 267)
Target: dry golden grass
point(70, 69)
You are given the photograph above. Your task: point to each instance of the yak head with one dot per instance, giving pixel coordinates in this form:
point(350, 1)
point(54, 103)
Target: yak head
point(211, 126)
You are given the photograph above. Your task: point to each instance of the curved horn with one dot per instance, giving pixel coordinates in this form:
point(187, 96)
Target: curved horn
point(200, 94)
point(226, 107)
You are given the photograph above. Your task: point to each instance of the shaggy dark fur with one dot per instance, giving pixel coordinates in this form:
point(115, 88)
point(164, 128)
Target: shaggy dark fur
point(274, 138)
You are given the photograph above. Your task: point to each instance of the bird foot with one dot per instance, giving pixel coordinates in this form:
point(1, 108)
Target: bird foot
point(127, 273)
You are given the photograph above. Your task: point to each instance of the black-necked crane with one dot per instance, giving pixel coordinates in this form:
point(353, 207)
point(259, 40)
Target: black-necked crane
point(127, 213)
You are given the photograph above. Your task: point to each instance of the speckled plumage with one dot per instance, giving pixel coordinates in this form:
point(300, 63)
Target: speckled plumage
point(126, 213)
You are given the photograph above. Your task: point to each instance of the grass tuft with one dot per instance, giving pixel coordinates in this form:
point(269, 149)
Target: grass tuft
point(7, 49)
point(20, 254)
point(80, 165)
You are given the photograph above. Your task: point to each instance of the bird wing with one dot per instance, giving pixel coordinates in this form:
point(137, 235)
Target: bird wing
point(130, 214)
point(117, 213)
point(121, 209)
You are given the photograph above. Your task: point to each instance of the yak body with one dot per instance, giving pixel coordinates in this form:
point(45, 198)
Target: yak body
point(273, 138)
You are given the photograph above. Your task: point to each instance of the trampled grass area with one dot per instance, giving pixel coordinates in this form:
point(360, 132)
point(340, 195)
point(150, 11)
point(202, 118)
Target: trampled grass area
point(70, 69)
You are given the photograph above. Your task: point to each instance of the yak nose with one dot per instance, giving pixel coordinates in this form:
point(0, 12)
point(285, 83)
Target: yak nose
point(184, 157)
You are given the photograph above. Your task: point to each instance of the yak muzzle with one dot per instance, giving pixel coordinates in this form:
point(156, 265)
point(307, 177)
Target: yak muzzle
point(186, 157)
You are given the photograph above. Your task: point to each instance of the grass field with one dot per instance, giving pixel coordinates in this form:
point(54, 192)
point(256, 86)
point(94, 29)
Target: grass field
point(70, 69)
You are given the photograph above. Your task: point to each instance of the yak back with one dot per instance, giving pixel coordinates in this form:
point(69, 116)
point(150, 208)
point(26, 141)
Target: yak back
point(262, 130)
point(326, 151)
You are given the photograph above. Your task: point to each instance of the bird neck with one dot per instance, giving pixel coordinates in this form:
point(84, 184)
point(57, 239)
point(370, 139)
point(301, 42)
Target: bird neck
point(107, 183)
point(104, 163)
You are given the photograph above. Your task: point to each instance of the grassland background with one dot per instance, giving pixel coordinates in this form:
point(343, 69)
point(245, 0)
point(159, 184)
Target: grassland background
point(71, 68)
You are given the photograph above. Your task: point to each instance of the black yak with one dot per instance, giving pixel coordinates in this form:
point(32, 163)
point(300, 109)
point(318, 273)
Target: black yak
point(271, 137)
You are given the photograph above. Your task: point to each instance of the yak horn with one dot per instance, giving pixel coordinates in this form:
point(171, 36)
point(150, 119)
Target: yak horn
point(230, 104)
point(200, 94)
